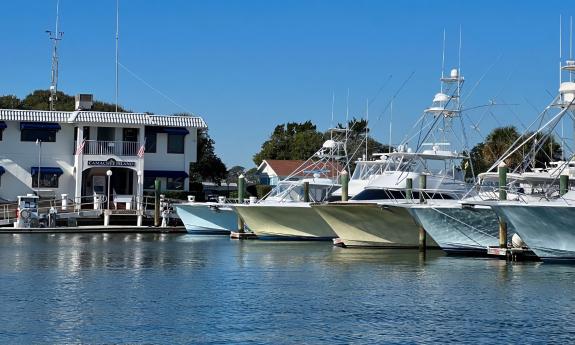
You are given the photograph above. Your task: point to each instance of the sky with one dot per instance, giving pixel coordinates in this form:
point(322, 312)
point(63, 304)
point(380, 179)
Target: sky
point(247, 66)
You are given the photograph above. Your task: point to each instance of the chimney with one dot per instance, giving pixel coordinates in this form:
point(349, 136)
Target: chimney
point(84, 101)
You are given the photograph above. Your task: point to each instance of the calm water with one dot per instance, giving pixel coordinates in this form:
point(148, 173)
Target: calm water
point(182, 289)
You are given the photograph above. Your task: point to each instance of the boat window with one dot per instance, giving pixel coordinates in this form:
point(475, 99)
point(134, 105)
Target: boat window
point(44, 135)
point(47, 180)
point(176, 143)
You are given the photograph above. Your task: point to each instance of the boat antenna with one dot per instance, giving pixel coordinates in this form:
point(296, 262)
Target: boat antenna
point(459, 71)
point(55, 37)
point(442, 61)
point(117, 38)
point(332, 104)
point(560, 47)
point(571, 44)
point(366, 125)
point(347, 115)
point(390, 123)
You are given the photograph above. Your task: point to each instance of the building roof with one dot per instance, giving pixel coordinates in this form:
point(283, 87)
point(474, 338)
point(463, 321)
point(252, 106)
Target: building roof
point(101, 117)
point(285, 168)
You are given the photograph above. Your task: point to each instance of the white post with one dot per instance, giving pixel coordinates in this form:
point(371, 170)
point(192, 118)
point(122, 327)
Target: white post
point(39, 143)
point(78, 160)
point(109, 174)
point(64, 202)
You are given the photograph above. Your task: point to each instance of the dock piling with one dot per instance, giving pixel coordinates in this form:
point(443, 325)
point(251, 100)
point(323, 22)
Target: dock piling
point(241, 190)
point(344, 185)
point(422, 233)
point(409, 188)
point(563, 183)
point(502, 170)
point(306, 192)
point(422, 188)
point(157, 185)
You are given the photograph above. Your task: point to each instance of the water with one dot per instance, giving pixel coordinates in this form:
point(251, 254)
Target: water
point(68, 288)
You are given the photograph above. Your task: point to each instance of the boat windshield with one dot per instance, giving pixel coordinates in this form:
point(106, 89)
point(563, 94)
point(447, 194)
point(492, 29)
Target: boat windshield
point(294, 192)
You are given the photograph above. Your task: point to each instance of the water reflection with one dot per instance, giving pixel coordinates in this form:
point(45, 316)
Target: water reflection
point(166, 288)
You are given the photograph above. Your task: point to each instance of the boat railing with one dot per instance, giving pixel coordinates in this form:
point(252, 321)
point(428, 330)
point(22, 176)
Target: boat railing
point(117, 148)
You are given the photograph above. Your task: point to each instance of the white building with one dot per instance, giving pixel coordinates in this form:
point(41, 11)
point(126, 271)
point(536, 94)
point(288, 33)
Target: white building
point(71, 152)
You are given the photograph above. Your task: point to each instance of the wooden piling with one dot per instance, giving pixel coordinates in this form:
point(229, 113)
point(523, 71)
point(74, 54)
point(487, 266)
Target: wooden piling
point(502, 170)
point(344, 185)
point(422, 188)
point(306, 191)
point(241, 195)
point(563, 183)
point(422, 233)
point(157, 185)
point(409, 188)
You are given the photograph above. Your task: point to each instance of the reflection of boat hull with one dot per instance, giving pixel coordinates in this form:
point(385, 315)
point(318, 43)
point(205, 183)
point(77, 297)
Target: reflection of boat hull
point(285, 221)
point(372, 225)
point(548, 230)
point(459, 230)
point(207, 218)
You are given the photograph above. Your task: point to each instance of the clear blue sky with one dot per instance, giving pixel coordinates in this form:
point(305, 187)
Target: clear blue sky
point(246, 66)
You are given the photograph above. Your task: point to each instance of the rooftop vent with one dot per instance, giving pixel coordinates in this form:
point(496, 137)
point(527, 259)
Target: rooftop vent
point(84, 101)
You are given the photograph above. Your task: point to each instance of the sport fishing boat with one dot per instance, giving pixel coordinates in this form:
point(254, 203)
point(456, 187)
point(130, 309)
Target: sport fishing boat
point(546, 225)
point(373, 218)
point(285, 212)
point(208, 218)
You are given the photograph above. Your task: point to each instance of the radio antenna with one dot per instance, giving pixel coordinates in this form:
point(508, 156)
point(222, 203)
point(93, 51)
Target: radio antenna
point(55, 37)
point(117, 38)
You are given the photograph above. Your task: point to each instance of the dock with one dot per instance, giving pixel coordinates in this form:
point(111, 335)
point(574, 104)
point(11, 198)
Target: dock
point(95, 229)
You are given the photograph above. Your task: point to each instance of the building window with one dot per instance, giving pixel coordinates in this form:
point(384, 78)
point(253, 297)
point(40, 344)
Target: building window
point(149, 182)
point(175, 183)
point(47, 180)
point(151, 138)
point(1, 131)
point(175, 143)
point(44, 135)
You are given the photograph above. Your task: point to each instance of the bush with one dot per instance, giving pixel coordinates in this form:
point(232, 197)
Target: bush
point(262, 190)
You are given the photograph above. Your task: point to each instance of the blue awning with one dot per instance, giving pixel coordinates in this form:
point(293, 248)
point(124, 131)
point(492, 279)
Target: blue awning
point(2, 170)
point(168, 130)
point(2, 125)
point(176, 130)
point(46, 170)
point(165, 173)
point(40, 125)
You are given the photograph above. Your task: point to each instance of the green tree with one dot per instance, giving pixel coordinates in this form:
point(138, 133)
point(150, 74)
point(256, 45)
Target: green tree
point(291, 141)
point(10, 102)
point(500, 140)
point(209, 167)
point(234, 173)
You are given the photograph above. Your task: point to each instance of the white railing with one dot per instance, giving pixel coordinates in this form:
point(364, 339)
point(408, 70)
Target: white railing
point(118, 148)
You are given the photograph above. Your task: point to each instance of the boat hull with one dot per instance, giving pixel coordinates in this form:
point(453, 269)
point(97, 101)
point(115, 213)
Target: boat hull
point(208, 218)
point(372, 225)
point(547, 230)
point(459, 230)
point(285, 222)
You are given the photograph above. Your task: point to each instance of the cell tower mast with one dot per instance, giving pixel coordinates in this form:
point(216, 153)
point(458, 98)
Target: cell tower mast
point(55, 37)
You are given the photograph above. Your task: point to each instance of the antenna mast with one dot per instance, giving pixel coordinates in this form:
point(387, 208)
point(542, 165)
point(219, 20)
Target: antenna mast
point(117, 37)
point(55, 37)
point(560, 48)
point(366, 126)
point(443, 60)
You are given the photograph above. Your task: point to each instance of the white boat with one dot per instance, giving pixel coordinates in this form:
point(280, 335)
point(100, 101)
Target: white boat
point(285, 214)
point(546, 225)
point(207, 218)
point(374, 217)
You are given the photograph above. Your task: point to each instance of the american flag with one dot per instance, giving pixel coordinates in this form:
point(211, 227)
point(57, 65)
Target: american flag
point(80, 148)
point(142, 150)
